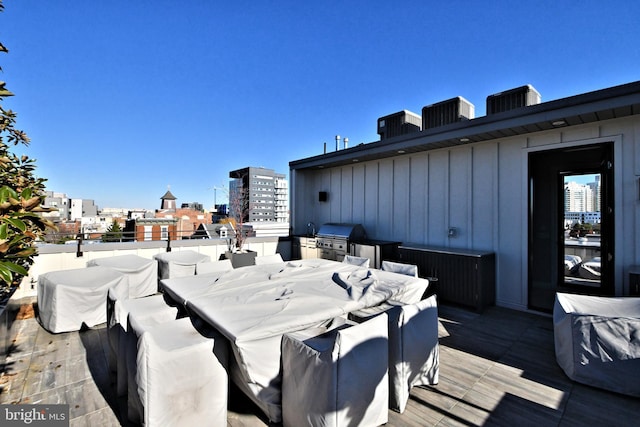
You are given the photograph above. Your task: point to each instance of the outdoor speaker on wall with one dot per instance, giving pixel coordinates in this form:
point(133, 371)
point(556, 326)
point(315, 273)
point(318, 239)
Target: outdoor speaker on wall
point(322, 196)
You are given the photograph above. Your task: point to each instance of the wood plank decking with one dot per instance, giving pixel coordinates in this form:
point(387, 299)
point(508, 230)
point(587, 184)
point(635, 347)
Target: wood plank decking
point(496, 368)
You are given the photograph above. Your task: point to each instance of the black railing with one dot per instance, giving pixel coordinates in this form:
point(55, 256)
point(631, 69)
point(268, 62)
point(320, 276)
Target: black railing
point(91, 237)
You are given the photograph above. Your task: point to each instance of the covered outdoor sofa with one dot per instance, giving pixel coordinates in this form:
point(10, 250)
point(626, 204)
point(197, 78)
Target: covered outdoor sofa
point(597, 341)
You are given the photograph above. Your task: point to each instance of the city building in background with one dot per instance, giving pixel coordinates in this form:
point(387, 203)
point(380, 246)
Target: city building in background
point(582, 202)
point(261, 195)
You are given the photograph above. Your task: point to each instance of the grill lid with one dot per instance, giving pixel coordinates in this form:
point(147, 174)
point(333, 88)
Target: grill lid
point(352, 232)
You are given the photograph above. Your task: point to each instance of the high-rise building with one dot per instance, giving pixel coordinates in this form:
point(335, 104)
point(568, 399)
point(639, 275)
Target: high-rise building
point(579, 198)
point(258, 195)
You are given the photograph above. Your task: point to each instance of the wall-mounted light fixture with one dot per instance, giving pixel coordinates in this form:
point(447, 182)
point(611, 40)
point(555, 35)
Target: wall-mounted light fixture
point(452, 232)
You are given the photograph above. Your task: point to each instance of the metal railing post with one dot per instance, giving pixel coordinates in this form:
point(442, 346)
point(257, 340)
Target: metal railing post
point(79, 250)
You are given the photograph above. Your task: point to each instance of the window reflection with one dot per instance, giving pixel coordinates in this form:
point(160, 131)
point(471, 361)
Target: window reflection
point(582, 201)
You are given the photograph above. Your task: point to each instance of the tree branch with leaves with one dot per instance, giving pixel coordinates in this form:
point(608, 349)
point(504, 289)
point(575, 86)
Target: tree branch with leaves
point(21, 196)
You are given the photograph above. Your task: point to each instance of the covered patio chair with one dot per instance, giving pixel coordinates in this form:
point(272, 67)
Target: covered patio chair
point(398, 267)
point(337, 378)
point(356, 260)
point(414, 355)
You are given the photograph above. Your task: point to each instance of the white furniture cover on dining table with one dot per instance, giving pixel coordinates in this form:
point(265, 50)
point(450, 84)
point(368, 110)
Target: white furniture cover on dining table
point(67, 299)
point(183, 289)
point(142, 272)
point(179, 263)
point(597, 341)
point(255, 314)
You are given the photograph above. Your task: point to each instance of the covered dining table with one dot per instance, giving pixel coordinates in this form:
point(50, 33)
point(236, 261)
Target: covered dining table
point(253, 307)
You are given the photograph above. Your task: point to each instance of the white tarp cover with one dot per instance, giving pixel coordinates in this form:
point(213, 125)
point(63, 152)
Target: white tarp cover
point(597, 341)
point(398, 267)
point(183, 289)
point(180, 380)
point(178, 264)
point(117, 317)
point(254, 314)
point(337, 378)
point(213, 266)
point(142, 272)
point(413, 349)
point(69, 298)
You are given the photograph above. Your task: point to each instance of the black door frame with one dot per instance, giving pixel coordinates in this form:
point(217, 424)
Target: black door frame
point(547, 170)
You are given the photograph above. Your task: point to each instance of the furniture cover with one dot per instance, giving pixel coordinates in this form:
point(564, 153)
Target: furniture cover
point(397, 267)
point(180, 380)
point(590, 269)
point(139, 321)
point(178, 264)
point(118, 310)
point(338, 378)
point(414, 356)
point(142, 272)
point(571, 264)
point(597, 341)
point(356, 260)
point(182, 289)
point(254, 314)
point(269, 259)
point(67, 299)
point(213, 266)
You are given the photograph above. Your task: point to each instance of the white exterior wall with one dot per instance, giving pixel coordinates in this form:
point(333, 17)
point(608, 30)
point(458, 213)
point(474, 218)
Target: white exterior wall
point(480, 189)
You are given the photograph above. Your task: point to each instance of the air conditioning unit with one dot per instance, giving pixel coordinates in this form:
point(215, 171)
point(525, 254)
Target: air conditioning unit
point(400, 123)
point(522, 96)
point(450, 111)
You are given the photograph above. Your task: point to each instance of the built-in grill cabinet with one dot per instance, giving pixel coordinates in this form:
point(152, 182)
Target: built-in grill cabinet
point(333, 239)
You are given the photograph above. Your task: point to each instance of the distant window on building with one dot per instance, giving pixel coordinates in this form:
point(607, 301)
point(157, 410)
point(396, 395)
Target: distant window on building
point(148, 232)
point(164, 232)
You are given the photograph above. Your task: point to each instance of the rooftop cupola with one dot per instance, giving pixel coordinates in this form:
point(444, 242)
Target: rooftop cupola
point(168, 201)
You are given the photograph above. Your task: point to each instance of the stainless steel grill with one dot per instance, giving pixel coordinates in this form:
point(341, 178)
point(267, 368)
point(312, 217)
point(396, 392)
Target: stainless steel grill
point(333, 239)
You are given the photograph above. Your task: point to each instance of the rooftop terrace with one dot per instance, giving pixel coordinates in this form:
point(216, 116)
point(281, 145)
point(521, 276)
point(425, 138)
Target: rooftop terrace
point(496, 368)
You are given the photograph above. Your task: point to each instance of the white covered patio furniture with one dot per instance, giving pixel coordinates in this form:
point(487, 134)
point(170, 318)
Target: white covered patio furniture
point(118, 310)
point(597, 341)
point(398, 267)
point(180, 381)
point(269, 259)
point(209, 267)
point(179, 263)
point(571, 264)
point(138, 321)
point(414, 356)
point(590, 269)
point(142, 272)
point(67, 299)
point(356, 260)
point(338, 378)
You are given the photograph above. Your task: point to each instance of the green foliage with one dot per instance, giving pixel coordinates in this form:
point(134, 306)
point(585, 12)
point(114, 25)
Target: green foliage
point(113, 233)
point(21, 196)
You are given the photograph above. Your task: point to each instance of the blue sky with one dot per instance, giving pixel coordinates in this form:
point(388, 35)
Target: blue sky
point(123, 98)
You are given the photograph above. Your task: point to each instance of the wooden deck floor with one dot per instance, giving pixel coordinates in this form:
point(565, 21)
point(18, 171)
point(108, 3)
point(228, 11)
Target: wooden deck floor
point(496, 368)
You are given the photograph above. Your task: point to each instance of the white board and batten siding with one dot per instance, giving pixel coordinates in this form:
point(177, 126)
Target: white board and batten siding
point(479, 189)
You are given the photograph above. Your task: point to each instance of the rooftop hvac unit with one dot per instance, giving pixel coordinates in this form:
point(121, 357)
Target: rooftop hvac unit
point(400, 123)
point(511, 99)
point(450, 111)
